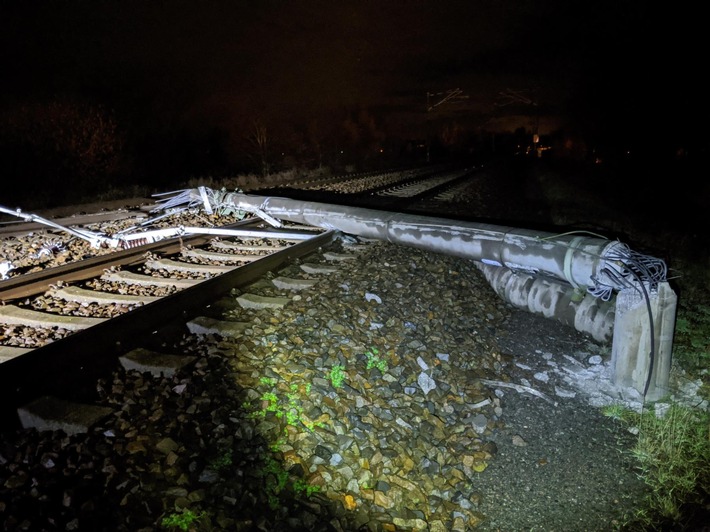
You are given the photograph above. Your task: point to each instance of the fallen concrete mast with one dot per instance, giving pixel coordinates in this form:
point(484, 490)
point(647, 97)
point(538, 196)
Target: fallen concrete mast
point(573, 277)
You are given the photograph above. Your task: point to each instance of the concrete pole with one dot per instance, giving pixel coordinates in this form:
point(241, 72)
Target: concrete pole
point(641, 340)
point(580, 260)
point(556, 275)
point(553, 299)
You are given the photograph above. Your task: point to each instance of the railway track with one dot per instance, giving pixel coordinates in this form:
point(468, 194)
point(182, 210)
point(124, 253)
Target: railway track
point(76, 320)
point(55, 318)
point(427, 186)
point(397, 190)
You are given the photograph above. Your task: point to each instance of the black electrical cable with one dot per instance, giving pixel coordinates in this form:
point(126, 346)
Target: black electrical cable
point(641, 268)
point(636, 265)
point(652, 354)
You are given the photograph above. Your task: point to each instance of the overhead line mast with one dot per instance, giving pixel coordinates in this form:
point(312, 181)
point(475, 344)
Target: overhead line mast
point(453, 94)
point(448, 96)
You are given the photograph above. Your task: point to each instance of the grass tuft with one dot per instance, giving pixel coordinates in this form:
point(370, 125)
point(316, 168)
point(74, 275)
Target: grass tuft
point(691, 345)
point(185, 520)
point(673, 456)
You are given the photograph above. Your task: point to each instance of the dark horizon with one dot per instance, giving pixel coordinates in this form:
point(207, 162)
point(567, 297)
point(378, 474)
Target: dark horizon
point(152, 92)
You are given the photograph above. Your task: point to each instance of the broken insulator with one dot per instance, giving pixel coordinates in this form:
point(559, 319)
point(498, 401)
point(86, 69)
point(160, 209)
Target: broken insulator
point(51, 248)
point(134, 243)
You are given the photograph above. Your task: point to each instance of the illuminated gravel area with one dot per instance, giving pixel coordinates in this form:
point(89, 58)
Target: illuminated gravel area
point(410, 439)
point(199, 440)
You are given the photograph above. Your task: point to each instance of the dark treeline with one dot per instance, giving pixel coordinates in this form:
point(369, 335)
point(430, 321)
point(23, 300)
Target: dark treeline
point(55, 150)
point(104, 97)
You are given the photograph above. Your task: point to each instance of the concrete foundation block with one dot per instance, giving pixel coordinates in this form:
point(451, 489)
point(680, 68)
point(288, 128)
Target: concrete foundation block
point(639, 338)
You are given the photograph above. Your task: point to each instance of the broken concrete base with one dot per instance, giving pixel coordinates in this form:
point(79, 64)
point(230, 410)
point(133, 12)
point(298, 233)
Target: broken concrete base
point(644, 342)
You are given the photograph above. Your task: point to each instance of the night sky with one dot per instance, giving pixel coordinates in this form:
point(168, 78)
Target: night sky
point(313, 53)
point(176, 68)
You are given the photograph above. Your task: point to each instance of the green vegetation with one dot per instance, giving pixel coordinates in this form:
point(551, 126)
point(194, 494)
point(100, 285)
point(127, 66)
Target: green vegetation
point(301, 486)
point(223, 461)
point(691, 345)
point(374, 361)
point(277, 480)
point(286, 407)
point(673, 451)
point(337, 375)
point(182, 521)
point(284, 402)
point(617, 411)
point(279, 443)
point(673, 455)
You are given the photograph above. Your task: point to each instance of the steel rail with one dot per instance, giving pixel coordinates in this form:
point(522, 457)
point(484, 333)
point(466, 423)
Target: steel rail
point(70, 368)
point(17, 227)
point(38, 282)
